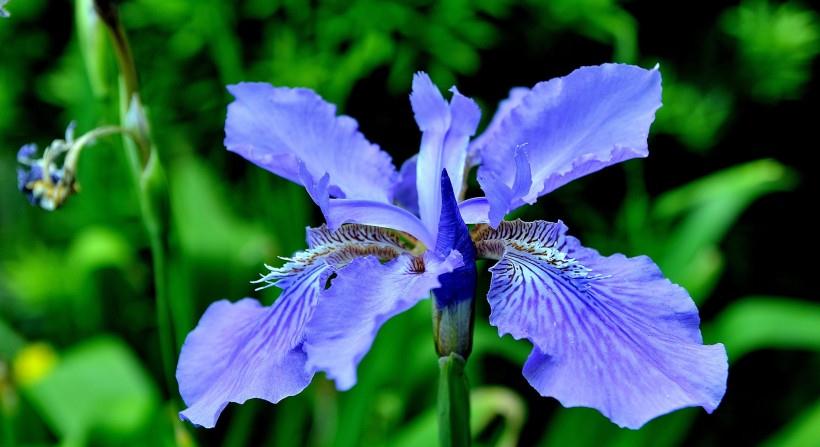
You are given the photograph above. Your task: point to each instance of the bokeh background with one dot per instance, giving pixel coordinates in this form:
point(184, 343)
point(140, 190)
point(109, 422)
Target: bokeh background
point(724, 204)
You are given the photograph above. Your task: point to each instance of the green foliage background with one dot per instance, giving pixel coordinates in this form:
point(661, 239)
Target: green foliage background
point(722, 204)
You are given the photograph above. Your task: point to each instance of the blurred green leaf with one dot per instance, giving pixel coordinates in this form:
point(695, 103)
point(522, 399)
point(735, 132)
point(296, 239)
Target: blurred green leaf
point(693, 114)
point(487, 341)
point(750, 179)
point(802, 431)
point(24, 278)
point(699, 214)
point(98, 385)
point(208, 227)
point(93, 47)
point(10, 342)
point(95, 248)
point(487, 405)
point(602, 20)
point(776, 45)
point(762, 322)
point(578, 427)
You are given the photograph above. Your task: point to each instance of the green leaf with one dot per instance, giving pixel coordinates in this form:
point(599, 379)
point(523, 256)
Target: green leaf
point(488, 404)
point(803, 431)
point(208, 227)
point(699, 214)
point(762, 322)
point(692, 113)
point(776, 45)
point(93, 47)
point(10, 342)
point(98, 384)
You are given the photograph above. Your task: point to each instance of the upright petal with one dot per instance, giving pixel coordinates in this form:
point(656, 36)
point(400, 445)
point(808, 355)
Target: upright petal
point(610, 333)
point(517, 94)
point(446, 130)
point(278, 128)
point(570, 126)
point(406, 194)
point(362, 297)
point(498, 192)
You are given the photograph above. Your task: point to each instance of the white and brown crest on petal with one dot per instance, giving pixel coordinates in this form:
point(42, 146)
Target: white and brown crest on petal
point(333, 249)
point(545, 240)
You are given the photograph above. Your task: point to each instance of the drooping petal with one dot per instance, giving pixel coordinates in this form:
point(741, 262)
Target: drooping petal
point(362, 297)
point(446, 130)
point(277, 128)
point(610, 333)
point(571, 126)
point(406, 194)
point(240, 351)
point(366, 212)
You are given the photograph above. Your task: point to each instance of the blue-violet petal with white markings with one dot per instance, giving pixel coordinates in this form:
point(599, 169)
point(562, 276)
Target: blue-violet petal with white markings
point(365, 294)
point(277, 128)
point(609, 333)
point(236, 353)
point(570, 126)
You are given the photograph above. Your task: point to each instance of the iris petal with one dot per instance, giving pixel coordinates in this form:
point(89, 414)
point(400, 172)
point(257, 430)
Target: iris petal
point(515, 97)
point(242, 350)
point(362, 297)
point(278, 128)
point(238, 352)
point(365, 212)
point(570, 126)
point(610, 333)
point(406, 194)
point(475, 210)
point(446, 130)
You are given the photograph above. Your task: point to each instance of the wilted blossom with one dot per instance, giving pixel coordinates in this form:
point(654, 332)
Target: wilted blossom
point(49, 180)
point(41, 180)
point(608, 332)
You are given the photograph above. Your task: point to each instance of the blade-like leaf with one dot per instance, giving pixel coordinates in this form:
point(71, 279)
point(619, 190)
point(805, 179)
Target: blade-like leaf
point(761, 322)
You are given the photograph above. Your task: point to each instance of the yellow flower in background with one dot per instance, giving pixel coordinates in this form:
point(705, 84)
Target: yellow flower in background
point(33, 362)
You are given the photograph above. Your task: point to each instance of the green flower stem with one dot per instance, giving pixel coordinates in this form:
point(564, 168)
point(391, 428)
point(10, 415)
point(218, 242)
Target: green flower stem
point(453, 402)
point(146, 171)
point(107, 11)
point(153, 198)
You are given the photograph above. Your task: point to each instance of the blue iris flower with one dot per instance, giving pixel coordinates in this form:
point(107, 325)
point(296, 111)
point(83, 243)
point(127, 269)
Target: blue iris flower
point(608, 332)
